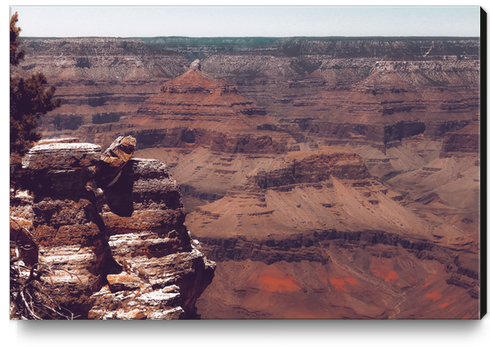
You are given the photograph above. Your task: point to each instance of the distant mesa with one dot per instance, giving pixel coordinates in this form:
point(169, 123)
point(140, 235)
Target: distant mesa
point(197, 96)
point(197, 109)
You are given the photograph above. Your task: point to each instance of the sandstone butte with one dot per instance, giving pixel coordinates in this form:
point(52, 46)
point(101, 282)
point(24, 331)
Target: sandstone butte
point(334, 179)
point(194, 110)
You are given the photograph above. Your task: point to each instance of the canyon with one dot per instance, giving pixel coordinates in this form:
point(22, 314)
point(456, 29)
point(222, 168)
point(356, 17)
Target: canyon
point(327, 178)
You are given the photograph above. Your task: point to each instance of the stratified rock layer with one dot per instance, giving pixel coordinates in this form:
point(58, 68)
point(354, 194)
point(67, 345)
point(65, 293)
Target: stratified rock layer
point(464, 141)
point(333, 89)
point(144, 219)
point(100, 244)
point(314, 229)
point(62, 156)
point(196, 109)
point(66, 226)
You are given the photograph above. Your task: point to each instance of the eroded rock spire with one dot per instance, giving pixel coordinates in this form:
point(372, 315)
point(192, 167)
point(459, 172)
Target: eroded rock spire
point(195, 65)
point(115, 158)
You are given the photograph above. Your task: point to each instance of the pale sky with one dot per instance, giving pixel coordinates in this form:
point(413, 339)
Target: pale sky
point(239, 21)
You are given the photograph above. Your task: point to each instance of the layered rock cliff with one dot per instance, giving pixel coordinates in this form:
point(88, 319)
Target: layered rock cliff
point(110, 233)
point(323, 85)
point(313, 230)
point(463, 141)
point(310, 190)
point(195, 110)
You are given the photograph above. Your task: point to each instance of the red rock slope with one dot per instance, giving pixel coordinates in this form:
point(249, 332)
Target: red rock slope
point(312, 235)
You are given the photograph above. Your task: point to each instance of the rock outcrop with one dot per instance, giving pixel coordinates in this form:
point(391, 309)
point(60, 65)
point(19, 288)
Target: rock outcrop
point(161, 266)
point(120, 252)
point(113, 160)
point(194, 110)
point(464, 141)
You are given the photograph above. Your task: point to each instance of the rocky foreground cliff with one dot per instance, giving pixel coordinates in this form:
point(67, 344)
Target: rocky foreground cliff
point(104, 234)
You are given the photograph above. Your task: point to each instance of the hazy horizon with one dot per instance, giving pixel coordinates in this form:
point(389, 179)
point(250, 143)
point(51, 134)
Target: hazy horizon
point(244, 37)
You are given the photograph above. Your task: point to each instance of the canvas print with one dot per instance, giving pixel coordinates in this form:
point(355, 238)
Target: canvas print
point(245, 163)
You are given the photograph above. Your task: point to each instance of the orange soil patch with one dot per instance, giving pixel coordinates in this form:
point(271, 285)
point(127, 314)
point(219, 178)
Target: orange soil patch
point(433, 295)
point(444, 305)
point(391, 275)
point(339, 283)
point(351, 280)
point(388, 275)
point(281, 285)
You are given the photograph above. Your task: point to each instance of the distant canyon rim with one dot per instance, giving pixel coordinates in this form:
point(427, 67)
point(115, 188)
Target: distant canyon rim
point(327, 178)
